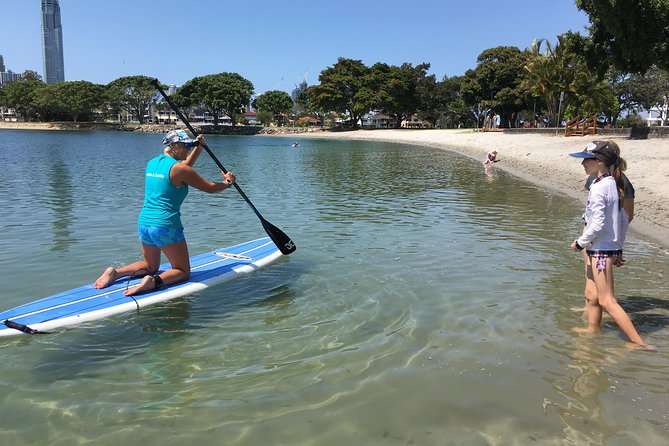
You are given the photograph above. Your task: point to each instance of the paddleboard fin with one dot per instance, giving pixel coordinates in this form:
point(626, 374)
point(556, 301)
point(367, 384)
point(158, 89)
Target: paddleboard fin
point(22, 327)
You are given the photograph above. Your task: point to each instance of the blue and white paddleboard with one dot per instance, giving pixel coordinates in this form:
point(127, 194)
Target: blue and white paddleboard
point(87, 303)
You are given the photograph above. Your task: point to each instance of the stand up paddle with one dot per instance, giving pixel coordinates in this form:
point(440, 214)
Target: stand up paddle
point(280, 239)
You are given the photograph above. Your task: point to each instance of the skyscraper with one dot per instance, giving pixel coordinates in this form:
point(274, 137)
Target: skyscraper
point(52, 42)
point(2, 64)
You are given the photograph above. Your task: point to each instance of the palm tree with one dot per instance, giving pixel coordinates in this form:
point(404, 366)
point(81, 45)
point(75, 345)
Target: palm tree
point(547, 74)
point(560, 68)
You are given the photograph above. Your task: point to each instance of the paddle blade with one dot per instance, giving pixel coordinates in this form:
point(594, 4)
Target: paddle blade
point(281, 240)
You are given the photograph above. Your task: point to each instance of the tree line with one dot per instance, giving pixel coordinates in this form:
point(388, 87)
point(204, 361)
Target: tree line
point(616, 70)
point(222, 94)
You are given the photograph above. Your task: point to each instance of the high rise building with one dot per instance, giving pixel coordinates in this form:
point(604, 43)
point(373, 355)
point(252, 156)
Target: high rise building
point(7, 76)
point(52, 42)
point(296, 92)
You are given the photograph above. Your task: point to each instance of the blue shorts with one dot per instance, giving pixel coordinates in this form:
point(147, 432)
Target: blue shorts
point(156, 236)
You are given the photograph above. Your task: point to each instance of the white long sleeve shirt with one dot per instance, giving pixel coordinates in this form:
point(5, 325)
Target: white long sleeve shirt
point(606, 224)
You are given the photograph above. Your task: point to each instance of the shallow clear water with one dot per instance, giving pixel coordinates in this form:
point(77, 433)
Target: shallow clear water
point(427, 303)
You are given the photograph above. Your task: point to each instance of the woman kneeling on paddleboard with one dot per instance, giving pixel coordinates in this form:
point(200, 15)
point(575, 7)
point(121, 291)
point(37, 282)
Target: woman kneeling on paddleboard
point(159, 226)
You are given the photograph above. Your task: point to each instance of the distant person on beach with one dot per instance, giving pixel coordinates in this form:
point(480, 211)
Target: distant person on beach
point(606, 224)
point(488, 163)
point(491, 157)
point(159, 227)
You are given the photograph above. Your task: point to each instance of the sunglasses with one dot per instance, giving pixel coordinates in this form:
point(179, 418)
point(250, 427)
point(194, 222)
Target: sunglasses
point(190, 145)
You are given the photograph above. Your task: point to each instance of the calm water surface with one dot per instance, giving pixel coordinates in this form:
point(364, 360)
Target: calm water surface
point(427, 303)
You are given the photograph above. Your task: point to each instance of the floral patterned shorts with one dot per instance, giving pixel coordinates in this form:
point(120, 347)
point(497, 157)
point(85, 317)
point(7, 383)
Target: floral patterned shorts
point(602, 255)
point(156, 236)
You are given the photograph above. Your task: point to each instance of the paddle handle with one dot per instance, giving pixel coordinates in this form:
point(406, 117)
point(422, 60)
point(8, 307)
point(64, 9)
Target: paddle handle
point(181, 116)
point(280, 239)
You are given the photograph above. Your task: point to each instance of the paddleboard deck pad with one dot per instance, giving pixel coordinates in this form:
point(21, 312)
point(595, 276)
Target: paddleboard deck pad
point(88, 304)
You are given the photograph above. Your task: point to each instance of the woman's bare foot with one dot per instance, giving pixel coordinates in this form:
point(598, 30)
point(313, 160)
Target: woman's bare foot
point(106, 278)
point(148, 283)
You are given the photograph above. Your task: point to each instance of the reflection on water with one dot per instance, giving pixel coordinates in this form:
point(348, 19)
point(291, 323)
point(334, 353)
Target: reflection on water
point(61, 202)
point(583, 413)
point(490, 172)
point(428, 303)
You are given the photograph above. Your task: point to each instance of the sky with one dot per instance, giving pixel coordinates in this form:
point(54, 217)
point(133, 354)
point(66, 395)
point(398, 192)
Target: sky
point(274, 44)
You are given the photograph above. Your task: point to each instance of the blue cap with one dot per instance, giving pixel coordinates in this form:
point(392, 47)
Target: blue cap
point(176, 136)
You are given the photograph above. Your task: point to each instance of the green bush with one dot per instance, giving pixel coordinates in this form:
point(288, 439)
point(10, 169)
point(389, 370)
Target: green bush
point(632, 121)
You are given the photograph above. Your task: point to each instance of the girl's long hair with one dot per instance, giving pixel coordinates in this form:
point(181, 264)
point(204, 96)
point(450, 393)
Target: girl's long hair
point(617, 170)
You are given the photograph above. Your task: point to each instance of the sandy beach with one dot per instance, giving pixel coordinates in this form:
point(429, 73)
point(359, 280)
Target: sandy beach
point(544, 160)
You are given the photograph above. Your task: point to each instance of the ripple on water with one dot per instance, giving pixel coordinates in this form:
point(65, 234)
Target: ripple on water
point(425, 302)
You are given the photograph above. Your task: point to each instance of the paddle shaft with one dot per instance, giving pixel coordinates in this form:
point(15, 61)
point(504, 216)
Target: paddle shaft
point(211, 154)
point(283, 242)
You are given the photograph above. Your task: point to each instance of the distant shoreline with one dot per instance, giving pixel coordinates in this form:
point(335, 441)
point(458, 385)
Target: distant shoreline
point(542, 159)
point(152, 128)
point(84, 126)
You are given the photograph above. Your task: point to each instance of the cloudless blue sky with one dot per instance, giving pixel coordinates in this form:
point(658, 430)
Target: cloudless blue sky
point(274, 44)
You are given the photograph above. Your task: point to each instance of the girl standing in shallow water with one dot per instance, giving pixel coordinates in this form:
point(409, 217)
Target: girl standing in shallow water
point(604, 235)
point(627, 198)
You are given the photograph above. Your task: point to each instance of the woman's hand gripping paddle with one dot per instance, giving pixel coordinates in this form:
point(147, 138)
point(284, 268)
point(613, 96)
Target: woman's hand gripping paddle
point(280, 239)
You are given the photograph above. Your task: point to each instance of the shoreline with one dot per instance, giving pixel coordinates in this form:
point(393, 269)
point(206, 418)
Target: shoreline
point(83, 126)
point(544, 160)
